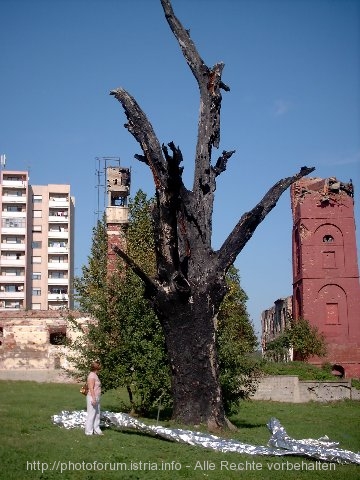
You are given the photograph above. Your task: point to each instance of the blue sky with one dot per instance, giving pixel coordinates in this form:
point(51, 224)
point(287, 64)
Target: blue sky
point(293, 67)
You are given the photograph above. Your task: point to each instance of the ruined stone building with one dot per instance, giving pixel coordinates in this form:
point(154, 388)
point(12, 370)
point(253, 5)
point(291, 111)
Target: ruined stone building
point(326, 289)
point(274, 321)
point(37, 247)
point(33, 343)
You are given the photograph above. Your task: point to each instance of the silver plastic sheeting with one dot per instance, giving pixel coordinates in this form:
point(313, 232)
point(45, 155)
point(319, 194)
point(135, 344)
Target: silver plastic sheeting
point(279, 444)
point(321, 449)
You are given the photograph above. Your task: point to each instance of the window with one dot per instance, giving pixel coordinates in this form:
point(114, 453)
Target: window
point(10, 288)
point(36, 306)
point(36, 292)
point(37, 198)
point(58, 197)
point(58, 213)
point(13, 272)
point(12, 255)
point(12, 240)
point(12, 208)
point(36, 228)
point(58, 228)
point(57, 337)
point(1, 335)
point(36, 276)
point(13, 193)
point(14, 178)
point(14, 222)
point(58, 259)
point(37, 213)
point(36, 244)
point(328, 239)
point(57, 244)
point(35, 259)
point(57, 275)
point(58, 290)
point(13, 304)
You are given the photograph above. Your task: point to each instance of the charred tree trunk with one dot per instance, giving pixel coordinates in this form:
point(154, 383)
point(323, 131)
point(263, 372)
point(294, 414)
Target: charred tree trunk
point(190, 333)
point(190, 282)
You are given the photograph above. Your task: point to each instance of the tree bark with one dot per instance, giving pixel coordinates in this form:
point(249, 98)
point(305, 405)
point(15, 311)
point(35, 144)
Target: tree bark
point(189, 286)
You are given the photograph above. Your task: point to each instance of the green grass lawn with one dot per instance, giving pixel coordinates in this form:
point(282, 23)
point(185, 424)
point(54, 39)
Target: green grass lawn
point(30, 442)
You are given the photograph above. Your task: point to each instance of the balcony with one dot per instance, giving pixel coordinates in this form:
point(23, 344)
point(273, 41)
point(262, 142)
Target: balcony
point(12, 278)
point(12, 262)
point(13, 230)
point(58, 218)
point(61, 235)
point(12, 295)
point(58, 281)
point(58, 266)
point(14, 183)
point(58, 203)
point(55, 250)
point(12, 214)
point(60, 297)
point(18, 199)
point(11, 247)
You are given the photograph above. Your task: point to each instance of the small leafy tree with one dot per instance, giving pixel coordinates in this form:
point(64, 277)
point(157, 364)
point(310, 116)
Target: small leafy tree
point(278, 350)
point(304, 338)
point(236, 344)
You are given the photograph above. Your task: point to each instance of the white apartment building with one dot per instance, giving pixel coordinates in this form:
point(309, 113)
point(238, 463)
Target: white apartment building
point(37, 244)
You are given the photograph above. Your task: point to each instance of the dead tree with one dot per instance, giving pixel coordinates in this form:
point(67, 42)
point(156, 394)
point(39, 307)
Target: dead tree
point(190, 282)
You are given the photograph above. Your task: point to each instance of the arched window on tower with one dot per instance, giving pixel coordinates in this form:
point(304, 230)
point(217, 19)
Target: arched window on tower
point(328, 239)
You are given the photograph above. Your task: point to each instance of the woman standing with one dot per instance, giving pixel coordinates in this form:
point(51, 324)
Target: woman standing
point(92, 425)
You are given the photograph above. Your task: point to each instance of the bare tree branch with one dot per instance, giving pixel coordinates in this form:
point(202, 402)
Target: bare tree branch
point(142, 130)
point(195, 62)
point(222, 162)
point(149, 283)
point(210, 83)
point(248, 223)
point(167, 178)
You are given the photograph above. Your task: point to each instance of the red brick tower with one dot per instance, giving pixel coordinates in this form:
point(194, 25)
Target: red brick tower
point(117, 214)
point(326, 288)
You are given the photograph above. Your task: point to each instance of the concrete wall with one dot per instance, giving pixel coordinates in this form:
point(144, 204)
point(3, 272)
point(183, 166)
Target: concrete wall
point(288, 388)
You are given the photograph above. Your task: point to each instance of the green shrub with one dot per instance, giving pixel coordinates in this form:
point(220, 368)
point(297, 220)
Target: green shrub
point(304, 371)
point(355, 383)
